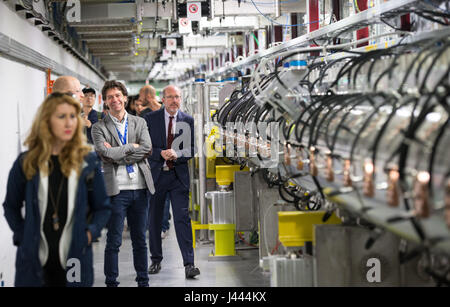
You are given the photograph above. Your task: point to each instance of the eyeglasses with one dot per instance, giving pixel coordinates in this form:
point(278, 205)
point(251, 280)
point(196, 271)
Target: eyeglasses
point(172, 97)
point(59, 94)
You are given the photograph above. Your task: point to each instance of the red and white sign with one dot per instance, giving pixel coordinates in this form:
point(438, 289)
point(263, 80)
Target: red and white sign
point(166, 54)
point(171, 44)
point(194, 11)
point(193, 8)
point(184, 26)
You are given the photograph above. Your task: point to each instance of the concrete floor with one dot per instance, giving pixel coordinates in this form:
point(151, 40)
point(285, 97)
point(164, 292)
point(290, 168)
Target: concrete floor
point(244, 272)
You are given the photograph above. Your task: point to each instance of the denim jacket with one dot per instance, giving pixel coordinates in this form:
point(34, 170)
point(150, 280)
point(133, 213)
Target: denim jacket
point(91, 211)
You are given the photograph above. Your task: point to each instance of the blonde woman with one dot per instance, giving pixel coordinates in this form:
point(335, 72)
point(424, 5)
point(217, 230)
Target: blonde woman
point(61, 186)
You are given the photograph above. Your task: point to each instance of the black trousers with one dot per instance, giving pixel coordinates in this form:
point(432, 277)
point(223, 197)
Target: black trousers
point(168, 183)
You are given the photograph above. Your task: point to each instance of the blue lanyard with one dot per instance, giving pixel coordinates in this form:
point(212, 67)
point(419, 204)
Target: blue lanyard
point(123, 138)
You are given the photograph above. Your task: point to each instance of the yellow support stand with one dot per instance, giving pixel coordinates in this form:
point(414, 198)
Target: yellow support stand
point(195, 225)
point(223, 239)
point(225, 173)
point(297, 227)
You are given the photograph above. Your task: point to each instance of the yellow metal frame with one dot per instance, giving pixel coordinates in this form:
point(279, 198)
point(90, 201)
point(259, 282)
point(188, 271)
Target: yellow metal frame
point(297, 227)
point(197, 226)
point(225, 173)
point(223, 237)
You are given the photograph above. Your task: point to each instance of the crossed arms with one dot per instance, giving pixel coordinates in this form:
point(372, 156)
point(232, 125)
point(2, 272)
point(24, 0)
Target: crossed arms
point(121, 155)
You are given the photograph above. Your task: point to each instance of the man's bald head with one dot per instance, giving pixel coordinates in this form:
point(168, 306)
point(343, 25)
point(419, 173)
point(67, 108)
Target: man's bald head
point(172, 99)
point(147, 91)
point(67, 84)
point(147, 99)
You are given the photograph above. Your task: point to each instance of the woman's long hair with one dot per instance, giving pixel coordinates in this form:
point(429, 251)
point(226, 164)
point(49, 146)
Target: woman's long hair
point(40, 140)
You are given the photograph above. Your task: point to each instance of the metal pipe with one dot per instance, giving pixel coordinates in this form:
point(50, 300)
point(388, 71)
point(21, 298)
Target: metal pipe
point(277, 5)
point(199, 121)
point(206, 109)
point(174, 10)
point(189, 108)
point(212, 9)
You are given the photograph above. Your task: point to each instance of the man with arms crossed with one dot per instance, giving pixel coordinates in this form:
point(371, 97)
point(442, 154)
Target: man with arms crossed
point(123, 143)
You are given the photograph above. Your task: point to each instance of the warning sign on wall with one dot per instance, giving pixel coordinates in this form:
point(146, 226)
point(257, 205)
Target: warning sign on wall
point(194, 11)
point(171, 44)
point(184, 26)
point(166, 54)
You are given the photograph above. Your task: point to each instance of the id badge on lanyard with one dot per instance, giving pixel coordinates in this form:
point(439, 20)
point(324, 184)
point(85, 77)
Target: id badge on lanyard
point(123, 139)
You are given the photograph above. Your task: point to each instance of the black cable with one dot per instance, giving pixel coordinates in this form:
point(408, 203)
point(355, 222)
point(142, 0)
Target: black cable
point(415, 124)
point(385, 72)
point(374, 58)
point(424, 49)
point(315, 122)
point(374, 147)
point(250, 114)
point(319, 187)
point(347, 67)
point(281, 188)
point(328, 111)
point(366, 124)
point(436, 142)
point(304, 123)
point(307, 124)
point(431, 18)
point(425, 58)
point(344, 118)
point(222, 118)
point(393, 50)
point(237, 108)
point(403, 154)
point(443, 49)
point(276, 72)
point(287, 134)
point(328, 66)
point(342, 71)
point(342, 104)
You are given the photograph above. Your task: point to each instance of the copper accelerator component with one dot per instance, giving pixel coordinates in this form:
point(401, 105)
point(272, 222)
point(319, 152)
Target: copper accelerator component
point(287, 154)
point(312, 162)
point(347, 178)
point(422, 195)
point(368, 186)
point(300, 160)
point(392, 190)
point(447, 204)
point(329, 170)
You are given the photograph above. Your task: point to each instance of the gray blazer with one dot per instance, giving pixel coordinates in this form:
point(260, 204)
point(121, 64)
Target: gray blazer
point(105, 131)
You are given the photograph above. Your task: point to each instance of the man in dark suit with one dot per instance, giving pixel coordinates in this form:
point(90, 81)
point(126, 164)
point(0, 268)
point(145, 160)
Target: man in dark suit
point(172, 135)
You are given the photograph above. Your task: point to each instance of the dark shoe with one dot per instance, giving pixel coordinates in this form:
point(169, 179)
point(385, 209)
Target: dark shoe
point(191, 271)
point(154, 268)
